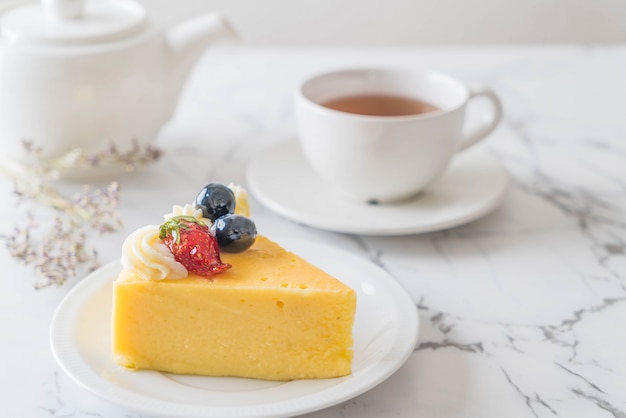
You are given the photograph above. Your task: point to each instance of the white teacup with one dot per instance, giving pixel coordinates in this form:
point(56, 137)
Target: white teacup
point(385, 158)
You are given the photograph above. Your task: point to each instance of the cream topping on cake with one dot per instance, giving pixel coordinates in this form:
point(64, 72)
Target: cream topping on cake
point(241, 196)
point(145, 256)
point(188, 210)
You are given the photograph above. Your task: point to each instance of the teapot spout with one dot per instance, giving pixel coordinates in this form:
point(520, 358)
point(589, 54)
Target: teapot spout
point(187, 41)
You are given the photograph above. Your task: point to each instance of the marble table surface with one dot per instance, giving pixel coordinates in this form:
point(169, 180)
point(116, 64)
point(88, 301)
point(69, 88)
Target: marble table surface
point(522, 312)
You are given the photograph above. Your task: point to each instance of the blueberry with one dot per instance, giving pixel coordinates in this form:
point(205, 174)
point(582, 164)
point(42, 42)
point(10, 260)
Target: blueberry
point(234, 233)
point(215, 200)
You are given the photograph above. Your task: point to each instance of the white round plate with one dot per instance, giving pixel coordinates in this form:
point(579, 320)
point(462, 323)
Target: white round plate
point(385, 333)
point(281, 179)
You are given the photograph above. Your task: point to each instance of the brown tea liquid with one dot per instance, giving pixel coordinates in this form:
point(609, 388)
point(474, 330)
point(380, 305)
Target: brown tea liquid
point(380, 105)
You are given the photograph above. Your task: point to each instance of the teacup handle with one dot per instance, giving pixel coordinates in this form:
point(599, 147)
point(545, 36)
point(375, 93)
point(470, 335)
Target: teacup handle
point(487, 125)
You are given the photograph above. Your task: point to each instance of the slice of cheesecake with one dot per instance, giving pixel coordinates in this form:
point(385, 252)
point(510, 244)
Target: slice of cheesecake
point(272, 316)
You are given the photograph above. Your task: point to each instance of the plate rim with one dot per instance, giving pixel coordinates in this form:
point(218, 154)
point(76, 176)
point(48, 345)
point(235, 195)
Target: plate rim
point(404, 341)
point(372, 229)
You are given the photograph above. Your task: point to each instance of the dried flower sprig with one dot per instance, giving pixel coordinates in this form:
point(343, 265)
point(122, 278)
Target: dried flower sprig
point(134, 157)
point(58, 254)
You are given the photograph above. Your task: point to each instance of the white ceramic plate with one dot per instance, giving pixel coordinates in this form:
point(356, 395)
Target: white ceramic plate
point(281, 179)
point(385, 333)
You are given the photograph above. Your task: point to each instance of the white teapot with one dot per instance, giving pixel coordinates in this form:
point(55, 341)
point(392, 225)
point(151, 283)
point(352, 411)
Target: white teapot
point(87, 73)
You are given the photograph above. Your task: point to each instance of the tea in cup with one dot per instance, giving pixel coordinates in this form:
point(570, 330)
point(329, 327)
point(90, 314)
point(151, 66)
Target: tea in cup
point(383, 135)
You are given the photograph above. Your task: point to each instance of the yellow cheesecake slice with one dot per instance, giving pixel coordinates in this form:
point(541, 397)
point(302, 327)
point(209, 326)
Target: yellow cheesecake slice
point(271, 316)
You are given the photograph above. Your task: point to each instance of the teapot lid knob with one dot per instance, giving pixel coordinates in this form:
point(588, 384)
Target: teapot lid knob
point(71, 21)
point(63, 9)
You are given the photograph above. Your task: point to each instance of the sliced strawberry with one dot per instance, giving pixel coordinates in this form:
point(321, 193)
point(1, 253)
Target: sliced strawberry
point(192, 245)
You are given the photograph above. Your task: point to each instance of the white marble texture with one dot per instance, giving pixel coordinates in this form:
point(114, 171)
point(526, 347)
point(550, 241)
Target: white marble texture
point(522, 312)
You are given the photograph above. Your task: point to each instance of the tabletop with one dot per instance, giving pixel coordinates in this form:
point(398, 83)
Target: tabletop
point(521, 311)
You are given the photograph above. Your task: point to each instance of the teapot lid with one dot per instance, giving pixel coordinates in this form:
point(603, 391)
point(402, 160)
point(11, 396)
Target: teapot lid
point(71, 21)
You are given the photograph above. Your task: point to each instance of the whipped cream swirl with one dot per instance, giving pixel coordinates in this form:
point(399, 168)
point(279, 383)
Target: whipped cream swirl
point(145, 256)
point(188, 210)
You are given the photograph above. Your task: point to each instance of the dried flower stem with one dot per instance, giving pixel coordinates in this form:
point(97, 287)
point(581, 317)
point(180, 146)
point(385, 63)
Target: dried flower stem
point(57, 255)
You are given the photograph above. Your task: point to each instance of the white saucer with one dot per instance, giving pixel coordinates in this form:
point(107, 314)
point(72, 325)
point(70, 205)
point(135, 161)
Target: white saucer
point(281, 179)
point(385, 332)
